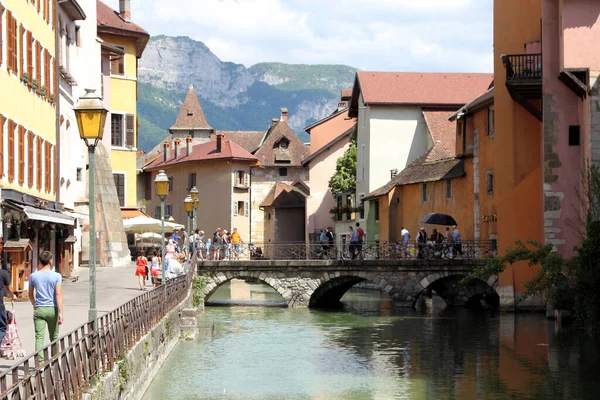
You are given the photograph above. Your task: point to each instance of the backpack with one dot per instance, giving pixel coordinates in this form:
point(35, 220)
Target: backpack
point(323, 237)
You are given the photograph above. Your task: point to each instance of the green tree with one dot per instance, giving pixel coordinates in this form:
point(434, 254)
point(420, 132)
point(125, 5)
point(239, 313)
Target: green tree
point(344, 179)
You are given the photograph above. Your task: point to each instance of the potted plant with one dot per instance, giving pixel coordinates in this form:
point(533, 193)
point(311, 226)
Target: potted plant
point(35, 84)
point(43, 91)
point(25, 78)
point(51, 99)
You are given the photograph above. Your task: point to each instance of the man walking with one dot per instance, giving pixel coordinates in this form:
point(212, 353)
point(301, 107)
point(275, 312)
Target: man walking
point(5, 282)
point(405, 238)
point(457, 240)
point(45, 294)
point(421, 242)
point(361, 238)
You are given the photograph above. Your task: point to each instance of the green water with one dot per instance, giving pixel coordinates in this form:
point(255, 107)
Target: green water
point(371, 351)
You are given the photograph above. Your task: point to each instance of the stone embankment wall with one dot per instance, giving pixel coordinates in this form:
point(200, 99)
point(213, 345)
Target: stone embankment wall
point(133, 374)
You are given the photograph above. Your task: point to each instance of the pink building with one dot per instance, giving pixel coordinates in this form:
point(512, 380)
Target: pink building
point(329, 138)
point(571, 112)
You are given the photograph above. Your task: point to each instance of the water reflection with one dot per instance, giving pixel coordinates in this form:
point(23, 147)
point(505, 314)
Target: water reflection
point(370, 350)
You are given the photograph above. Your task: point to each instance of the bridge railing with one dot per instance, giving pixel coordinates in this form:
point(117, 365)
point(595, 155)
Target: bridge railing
point(469, 249)
point(74, 361)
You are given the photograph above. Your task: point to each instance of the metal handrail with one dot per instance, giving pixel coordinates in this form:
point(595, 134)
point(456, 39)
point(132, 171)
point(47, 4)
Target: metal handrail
point(523, 67)
point(80, 355)
point(380, 250)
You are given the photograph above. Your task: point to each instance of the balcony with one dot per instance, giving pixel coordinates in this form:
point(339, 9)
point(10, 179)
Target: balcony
point(524, 80)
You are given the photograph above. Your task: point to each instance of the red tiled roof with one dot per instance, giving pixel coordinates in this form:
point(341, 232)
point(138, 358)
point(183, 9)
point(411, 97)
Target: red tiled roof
point(249, 140)
point(191, 116)
point(441, 129)
point(110, 22)
point(270, 154)
point(204, 152)
point(109, 17)
point(435, 165)
point(418, 88)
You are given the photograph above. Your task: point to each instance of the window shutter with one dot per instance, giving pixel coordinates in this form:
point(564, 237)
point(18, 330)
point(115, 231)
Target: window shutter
point(137, 129)
point(21, 55)
point(11, 150)
point(30, 57)
point(1, 43)
point(53, 163)
point(129, 130)
point(46, 10)
point(38, 4)
point(47, 73)
point(234, 178)
point(246, 179)
point(14, 44)
point(246, 208)
point(47, 167)
point(10, 48)
point(114, 67)
point(21, 154)
point(30, 144)
point(235, 210)
point(38, 64)
point(157, 212)
point(38, 163)
point(1, 137)
point(167, 210)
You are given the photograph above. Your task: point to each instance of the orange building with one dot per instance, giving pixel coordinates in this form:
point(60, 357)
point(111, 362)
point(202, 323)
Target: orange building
point(518, 139)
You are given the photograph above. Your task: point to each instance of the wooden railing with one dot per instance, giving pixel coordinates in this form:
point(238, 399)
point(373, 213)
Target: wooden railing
point(76, 360)
point(523, 67)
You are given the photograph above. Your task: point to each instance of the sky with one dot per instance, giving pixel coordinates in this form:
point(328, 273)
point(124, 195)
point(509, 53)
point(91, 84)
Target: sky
point(380, 35)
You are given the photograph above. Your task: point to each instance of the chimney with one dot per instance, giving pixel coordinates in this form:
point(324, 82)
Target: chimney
point(342, 104)
point(177, 147)
point(284, 114)
point(393, 173)
point(274, 122)
point(188, 144)
point(167, 153)
point(125, 9)
point(219, 142)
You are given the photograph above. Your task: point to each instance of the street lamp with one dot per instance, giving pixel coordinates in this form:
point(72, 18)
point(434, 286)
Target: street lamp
point(91, 117)
point(189, 207)
point(161, 183)
point(194, 196)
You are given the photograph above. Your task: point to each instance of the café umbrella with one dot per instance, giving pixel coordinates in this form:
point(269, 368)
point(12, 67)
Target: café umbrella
point(438, 219)
point(144, 224)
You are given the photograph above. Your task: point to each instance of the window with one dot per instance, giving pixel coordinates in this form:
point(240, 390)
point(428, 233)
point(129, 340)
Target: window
point(375, 205)
point(78, 175)
point(362, 163)
point(448, 189)
point(21, 154)
point(283, 144)
point(424, 190)
point(11, 150)
point(117, 64)
point(489, 182)
point(191, 180)
point(157, 212)
point(168, 211)
point(170, 184)
point(283, 171)
point(116, 130)
point(349, 206)
point(120, 186)
point(362, 207)
point(574, 135)
point(241, 208)
point(490, 122)
point(242, 178)
point(338, 215)
point(11, 40)
point(78, 36)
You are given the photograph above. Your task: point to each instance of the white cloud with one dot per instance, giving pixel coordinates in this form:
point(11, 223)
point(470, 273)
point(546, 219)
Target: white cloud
point(422, 35)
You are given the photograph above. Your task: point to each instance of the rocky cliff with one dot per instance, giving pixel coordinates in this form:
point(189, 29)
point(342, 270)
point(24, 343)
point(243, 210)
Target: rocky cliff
point(233, 96)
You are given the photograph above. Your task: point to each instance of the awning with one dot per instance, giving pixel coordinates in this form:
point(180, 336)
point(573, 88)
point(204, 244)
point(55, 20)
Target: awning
point(39, 214)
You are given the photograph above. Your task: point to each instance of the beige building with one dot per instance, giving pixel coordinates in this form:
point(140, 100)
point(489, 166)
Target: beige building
point(219, 168)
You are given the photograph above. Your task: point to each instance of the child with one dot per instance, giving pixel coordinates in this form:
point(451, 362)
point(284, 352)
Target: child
point(208, 243)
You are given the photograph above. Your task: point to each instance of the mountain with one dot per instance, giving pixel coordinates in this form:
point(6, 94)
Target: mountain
point(233, 97)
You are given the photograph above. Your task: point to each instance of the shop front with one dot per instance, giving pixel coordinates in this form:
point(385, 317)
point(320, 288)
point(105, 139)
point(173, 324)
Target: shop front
point(31, 225)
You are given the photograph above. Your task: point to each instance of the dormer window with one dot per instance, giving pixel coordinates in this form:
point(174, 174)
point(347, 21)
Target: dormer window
point(283, 145)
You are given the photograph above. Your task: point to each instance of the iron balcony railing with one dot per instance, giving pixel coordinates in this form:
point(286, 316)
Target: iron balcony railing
point(523, 67)
point(471, 249)
point(76, 359)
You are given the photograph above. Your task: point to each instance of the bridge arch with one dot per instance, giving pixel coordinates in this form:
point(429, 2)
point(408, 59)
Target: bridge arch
point(448, 286)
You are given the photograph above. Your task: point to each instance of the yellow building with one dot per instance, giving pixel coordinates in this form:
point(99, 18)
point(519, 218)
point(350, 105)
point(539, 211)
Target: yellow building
point(31, 218)
point(118, 32)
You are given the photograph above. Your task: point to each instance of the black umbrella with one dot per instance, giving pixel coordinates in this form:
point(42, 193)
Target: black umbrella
point(438, 219)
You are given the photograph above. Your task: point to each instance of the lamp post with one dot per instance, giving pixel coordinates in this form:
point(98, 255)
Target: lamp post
point(194, 196)
point(91, 117)
point(161, 183)
point(189, 207)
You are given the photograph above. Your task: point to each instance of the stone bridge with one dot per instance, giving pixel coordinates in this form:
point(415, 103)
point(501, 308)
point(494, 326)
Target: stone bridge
point(322, 283)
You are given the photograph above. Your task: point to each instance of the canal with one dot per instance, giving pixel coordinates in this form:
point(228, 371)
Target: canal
point(369, 350)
